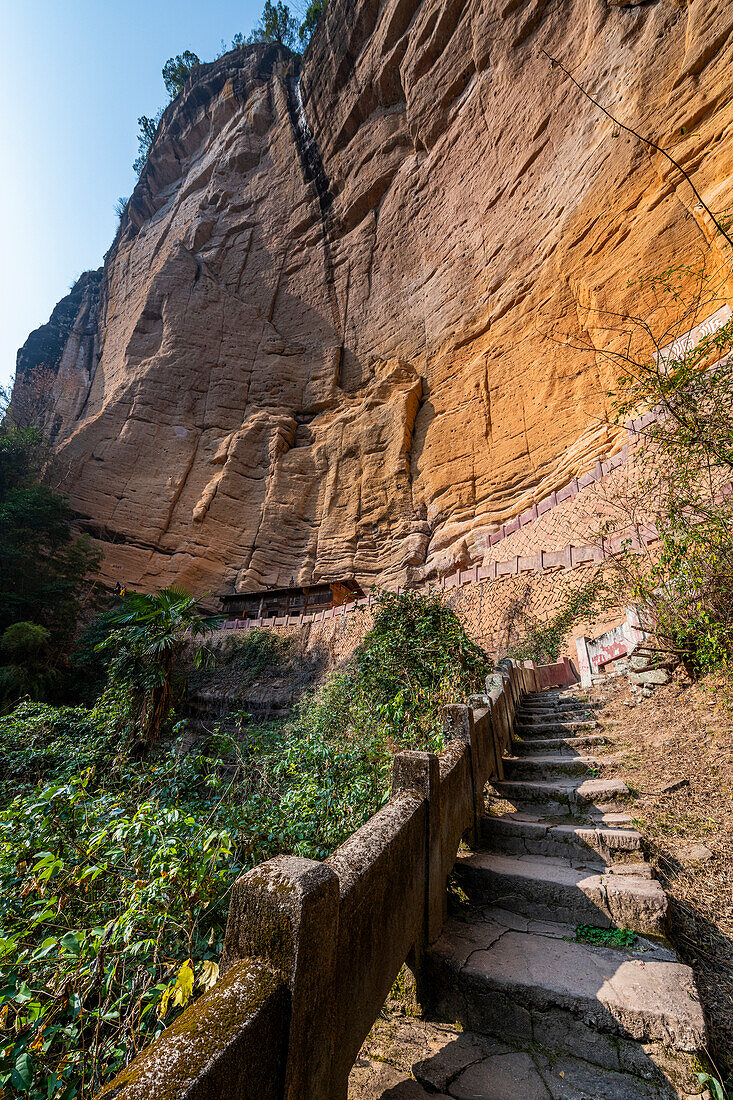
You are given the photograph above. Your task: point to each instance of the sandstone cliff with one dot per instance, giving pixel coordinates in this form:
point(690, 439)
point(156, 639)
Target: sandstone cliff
point(318, 346)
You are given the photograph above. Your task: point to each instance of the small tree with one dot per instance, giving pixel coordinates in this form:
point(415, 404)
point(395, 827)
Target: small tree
point(276, 25)
point(309, 24)
point(177, 70)
point(44, 568)
point(148, 128)
point(148, 634)
point(26, 667)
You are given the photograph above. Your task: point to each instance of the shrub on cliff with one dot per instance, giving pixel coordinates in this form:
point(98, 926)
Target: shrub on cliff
point(147, 129)
point(276, 25)
point(416, 658)
point(312, 16)
point(177, 70)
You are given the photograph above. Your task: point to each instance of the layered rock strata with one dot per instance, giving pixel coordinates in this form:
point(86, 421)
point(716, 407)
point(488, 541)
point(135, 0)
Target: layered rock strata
point(324, 341)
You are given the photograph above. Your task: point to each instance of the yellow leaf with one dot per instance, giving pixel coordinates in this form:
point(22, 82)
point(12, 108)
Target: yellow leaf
point(163, 1003)
point(4, 1017)
point(208, 974)
point(184, 984)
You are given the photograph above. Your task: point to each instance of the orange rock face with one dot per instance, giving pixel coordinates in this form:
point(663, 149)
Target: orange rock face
point(320, 344)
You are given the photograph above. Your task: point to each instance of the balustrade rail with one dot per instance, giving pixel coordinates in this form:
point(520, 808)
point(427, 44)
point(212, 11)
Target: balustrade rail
point(312, 949)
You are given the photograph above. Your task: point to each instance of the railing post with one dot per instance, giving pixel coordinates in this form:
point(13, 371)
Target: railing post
point(286, 911)
point(458, 725)
point(420, 772)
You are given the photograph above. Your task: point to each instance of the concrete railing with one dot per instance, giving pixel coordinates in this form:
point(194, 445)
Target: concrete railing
point(312, 949)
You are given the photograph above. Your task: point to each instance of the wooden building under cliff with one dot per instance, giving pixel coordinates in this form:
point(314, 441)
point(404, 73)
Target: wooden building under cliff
point(290, 601)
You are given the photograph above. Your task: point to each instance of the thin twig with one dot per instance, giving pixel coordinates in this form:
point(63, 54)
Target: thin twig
point(646, 140)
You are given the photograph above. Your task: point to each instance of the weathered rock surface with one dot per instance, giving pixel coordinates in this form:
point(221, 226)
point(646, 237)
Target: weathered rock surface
point(318, 346)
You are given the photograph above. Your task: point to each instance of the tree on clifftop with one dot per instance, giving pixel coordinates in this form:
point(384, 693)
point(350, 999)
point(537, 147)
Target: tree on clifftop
point(276, 25)
point(177, 70)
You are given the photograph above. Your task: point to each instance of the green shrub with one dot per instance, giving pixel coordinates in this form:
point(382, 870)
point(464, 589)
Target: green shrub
point(25, 648)
point(416, 658)
point(543, 642)
point(260, 651)
point(115, 874)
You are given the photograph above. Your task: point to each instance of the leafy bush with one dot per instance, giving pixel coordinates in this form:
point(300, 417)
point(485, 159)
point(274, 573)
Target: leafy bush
point(44, 569)
point(315, 10)
point(25, 647)
point(113, 885)
point(543, 642)
point(177, 70)
point(147, 129)
point(115, 874)
point(276, 25)
point(415, 659)
point(149, 633)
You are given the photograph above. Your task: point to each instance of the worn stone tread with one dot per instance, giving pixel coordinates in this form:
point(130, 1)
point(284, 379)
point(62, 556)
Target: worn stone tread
point(528, 729)
point(591, 792)
point(549, 765)
point(605, 989)
point(516, 833)
point(408, 1059)
point(582, 892)
point(557, 744)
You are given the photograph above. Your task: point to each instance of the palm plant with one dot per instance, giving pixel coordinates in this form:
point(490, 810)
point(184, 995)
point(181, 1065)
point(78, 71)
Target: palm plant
point(149, 633)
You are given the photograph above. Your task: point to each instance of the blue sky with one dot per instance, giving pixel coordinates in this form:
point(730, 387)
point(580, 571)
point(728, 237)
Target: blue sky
point(74, 77)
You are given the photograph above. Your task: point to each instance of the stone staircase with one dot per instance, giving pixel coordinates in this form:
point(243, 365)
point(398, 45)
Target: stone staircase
point(544, 1012)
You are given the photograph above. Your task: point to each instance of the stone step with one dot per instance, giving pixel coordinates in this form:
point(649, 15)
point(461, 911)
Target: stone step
point(550, 888)
point(415, 1059)
point(567, 795)
point(571, 745)
point(518, 835)
point(541, 722)
point(553, 708)
point(551, 766)
point(511, 983)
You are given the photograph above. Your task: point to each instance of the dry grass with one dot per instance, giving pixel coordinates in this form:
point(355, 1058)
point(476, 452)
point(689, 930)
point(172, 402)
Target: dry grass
point(685, 733)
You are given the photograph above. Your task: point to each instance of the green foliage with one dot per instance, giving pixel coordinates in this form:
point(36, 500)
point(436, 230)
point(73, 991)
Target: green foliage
point(23, 452)
point(605, 937)
point(44, 569)
point(148, 633)
point(147, 129)
point(414, 660)
point(113, 885)
point(115, 874)
point(276, 25)
point(315, 10)
point(260, 651)
point(543, 642)
point(716, 1087)
point(684, 587)
point(177, 70)
point(24, 649)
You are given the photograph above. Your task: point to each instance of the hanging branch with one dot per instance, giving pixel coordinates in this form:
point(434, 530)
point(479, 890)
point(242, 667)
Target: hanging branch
point(647, 141)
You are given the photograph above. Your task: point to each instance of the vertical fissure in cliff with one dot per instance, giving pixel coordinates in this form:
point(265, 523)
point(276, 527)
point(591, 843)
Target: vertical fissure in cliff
point(314, 172)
